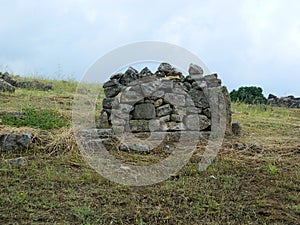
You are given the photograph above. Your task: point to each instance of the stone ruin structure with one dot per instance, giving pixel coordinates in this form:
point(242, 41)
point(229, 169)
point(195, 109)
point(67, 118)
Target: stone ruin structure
point(9, 84)
point(165, 101)
point(289, 101)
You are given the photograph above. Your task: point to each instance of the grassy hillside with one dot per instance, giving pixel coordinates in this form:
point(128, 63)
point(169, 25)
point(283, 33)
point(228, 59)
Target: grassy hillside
point(257, 185)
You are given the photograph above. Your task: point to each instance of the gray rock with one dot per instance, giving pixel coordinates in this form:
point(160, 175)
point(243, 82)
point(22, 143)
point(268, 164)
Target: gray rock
point(6, 87)
point(125, 108)
point(179, 110)
point(195, 69)
point(112, 91)
point(118, 130)
point(146, 72)
point(8, 79)
point(240, 146)
point(154, 125)
point(176, 118)
point(111, 83)
point(116, 76)
point(11, 143)
point(115, 121)
point(163, 110)
point(144, 111)
point(193, 110)
point(149, 88)
point(130, 75)
point(18, 162)
point(36, 85)
point(199, 85)
point(199, 98)
point(129, 95)
point(196, 122)
point(165, 67)
point(135, 148)
point(104, 120)
point(207, 113)
point(289, 101)
point(166, 85)
point(108, 103)
point(165, 118)
point(227, 103)
point(169, 148)
point(175, 99)
point(236, 128)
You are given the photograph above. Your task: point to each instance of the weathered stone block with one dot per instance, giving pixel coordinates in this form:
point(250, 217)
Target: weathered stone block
point(175, 99)
point(135, 148)
point(195, 69)
point(108, 103)
point(199, 98)
point(177, 118)
point(144, 111)
point(196, 122)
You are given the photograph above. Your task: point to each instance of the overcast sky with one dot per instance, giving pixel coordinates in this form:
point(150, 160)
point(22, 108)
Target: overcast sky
point(246, 42)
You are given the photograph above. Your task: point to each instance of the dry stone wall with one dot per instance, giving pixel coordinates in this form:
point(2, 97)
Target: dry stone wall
point(166, 100)
point(9, 84)
point(289, 101)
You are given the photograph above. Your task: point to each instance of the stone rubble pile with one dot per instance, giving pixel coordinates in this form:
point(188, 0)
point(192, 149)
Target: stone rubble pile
point(8, 84)
point(289, 101)
point(162, 101)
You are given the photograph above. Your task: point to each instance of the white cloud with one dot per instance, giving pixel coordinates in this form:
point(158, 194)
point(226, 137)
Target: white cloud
point(247, 42)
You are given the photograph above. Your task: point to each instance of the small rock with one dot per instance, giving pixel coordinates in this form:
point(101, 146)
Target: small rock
point(236, 128)
point(130, 75)
point(112, 91)
point(135, 148)
point(163, 110)
point(213, 177)
point(18, 162)
point(104, 120)
point(169, 148)
point(108, 103)
point(177, 118)
point(240, 146)
point(165, 67)
point(195, 69)
point(158, 102)
point(12, 142)
point(146, 72)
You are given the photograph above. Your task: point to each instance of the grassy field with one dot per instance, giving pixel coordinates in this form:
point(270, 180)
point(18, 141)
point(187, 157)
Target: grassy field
point(258, 185)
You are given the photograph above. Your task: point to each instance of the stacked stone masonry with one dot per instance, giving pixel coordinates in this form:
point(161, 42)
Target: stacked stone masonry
point(289, 101)
point(9, 84)
point(162, 101)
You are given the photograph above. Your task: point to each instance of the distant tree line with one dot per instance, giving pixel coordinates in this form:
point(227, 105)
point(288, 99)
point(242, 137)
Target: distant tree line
point(248, 95)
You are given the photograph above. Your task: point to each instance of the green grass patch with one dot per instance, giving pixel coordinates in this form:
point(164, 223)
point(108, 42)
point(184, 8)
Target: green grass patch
point(44, 119)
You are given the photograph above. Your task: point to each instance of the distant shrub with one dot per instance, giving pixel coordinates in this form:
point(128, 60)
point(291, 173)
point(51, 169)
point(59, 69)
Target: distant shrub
point(248, 95)
point(36, 118)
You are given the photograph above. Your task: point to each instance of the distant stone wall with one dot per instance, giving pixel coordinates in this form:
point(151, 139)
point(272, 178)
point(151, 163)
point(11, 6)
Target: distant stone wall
point(289, 101)
point(8, 84)
point(162, 101)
